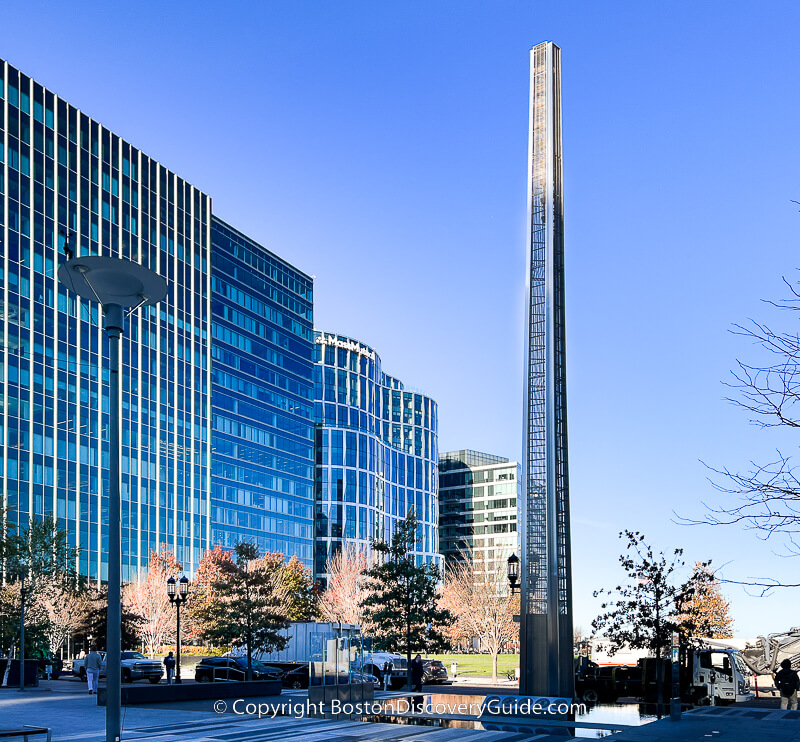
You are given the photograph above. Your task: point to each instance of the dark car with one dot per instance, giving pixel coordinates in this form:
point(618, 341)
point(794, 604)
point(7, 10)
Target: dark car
point(233, 668)
point(433, 672)
point(298, 678)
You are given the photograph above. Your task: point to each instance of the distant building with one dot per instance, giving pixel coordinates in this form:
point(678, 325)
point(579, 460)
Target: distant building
point(376, 450)
point(262, 428)
point(478, 495)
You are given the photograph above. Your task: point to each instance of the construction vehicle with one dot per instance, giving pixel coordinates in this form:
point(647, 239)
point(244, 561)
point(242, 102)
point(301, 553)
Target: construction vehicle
point(769, 651)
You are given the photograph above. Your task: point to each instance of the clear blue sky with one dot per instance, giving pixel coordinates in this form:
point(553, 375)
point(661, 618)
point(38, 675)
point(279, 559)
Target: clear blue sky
point(381, 146)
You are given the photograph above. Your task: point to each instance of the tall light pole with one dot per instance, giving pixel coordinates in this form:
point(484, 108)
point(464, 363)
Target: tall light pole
point(177, 600)
point(22, 595)
point(116, 284)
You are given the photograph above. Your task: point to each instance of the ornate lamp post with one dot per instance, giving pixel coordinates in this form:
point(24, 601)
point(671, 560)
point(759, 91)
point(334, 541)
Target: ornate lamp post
point(177, 600)
point(513, 573)
point(117, 285)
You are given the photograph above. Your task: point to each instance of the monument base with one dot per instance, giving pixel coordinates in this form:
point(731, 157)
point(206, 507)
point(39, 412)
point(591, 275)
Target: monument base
point(525, 713)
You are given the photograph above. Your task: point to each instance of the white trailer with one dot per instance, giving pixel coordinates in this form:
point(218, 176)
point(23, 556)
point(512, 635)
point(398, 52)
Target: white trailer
point(301, 635)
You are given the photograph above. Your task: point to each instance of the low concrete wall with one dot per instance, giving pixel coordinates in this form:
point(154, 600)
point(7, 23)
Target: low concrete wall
point(344, 692)
point(162, 693)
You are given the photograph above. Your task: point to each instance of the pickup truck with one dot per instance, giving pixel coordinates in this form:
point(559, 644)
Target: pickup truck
point(135, 666)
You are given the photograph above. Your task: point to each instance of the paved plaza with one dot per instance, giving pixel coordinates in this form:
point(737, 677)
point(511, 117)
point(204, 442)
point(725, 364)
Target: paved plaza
point(73, 716)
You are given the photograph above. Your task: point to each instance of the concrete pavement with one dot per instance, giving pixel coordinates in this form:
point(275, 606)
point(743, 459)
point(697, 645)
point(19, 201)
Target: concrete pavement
point(724, 723)
point(72, 714)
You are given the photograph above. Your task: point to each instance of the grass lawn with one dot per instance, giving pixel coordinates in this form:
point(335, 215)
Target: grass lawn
point(479, 664)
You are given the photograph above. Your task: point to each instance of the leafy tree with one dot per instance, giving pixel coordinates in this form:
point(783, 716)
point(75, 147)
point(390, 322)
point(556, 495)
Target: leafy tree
point(94, 622)
point(42, 550)
point(42, 554)
point(645, 610)
point(250, 606)
point(402, 599)
point(706, 612)
point(301, 592)
point(214, 564)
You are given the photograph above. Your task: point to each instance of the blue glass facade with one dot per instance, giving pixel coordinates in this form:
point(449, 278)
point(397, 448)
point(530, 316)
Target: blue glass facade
point(376, 448)
point(262, 431)
point(64, 176)
point(66, 181)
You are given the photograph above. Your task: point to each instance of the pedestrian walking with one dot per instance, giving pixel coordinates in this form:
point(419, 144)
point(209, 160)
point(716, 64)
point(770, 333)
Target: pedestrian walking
point(93, 664)
point(787, 681)
point(417, 671)
point(169, 663)
point(387, 674)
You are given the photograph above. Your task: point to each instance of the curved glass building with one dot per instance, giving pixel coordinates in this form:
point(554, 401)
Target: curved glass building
point(376, 452)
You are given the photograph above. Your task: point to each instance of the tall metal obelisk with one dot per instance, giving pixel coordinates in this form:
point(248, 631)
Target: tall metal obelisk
point(546, 663)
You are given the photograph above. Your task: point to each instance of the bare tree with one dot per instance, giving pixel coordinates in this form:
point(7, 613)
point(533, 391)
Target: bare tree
point(62, 607)
point(479, 600)
point(147, 598)
point(767, 495)
point(347, 587)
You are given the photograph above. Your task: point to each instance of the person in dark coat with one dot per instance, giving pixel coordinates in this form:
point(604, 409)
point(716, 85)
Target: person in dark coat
point(787, 681)
point(169, 663)
point(417, 671)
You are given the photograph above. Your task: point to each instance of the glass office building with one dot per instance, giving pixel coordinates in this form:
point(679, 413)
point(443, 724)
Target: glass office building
point(68, 183)
point(478, 495)
point(376, 449)
point(262, 431)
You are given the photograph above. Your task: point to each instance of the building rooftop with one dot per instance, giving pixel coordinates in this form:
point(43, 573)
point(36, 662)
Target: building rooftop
point(467, 458)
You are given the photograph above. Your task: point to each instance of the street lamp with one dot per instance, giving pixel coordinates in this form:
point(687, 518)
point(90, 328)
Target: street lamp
point(177, 601)
point(116, 284)
point(513, 573)
point(23, 593)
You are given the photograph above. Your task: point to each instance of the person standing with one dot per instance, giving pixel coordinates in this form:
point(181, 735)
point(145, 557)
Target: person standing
point(417, 672)
point(787, 681)
point(169, 663)
point(387, 674)
point(93, 665)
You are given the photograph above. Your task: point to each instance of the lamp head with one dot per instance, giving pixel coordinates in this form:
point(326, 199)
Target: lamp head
point(184, 586)
point(171, 587)
point(513, 571)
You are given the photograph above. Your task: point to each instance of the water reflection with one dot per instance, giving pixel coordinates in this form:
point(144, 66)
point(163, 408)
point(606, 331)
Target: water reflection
point(448, 705)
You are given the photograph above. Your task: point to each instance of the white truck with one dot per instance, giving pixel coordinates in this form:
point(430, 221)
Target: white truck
point(135, 666)
point(708, 672)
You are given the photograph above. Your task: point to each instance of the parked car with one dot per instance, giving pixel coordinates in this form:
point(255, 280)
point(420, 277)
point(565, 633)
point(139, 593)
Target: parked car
point(135, 666)
point(298, 678)
point(218, 669)
point(433, 672)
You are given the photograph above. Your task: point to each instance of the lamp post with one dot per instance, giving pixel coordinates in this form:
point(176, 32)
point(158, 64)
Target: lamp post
point(22, 593)
point(177, 600)
point(116, 284)
point(513, 573)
